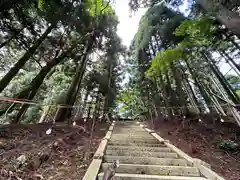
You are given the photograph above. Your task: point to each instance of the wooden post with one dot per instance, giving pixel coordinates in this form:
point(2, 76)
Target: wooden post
point(45, 112)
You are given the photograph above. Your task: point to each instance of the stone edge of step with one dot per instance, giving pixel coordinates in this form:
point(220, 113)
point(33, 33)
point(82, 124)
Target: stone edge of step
point(153, 177)
point(94, 167)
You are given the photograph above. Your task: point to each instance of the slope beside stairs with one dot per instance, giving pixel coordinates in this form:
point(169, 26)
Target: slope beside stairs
point(144, 155)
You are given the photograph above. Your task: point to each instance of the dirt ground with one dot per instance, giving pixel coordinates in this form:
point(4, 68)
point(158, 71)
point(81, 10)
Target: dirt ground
point(28, 153)
point(202, 140)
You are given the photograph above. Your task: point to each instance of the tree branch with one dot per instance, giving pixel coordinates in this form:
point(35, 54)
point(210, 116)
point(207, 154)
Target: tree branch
point(105, 6)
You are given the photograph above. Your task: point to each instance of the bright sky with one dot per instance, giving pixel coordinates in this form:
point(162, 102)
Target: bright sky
point(128, 21)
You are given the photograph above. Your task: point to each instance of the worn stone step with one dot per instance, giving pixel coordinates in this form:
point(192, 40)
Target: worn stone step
point(131, 133)
point(127, 143)
point(122, 176)
point(145, 134)
point(146, 160)
point(155, 169)
point(126, 122)
point(141, 153)
point(154, 141)
point(139, 148)
point(135, 138)
point(123, 122)
point(129, 128)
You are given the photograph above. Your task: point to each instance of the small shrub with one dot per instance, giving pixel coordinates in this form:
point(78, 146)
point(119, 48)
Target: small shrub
point(228, 145)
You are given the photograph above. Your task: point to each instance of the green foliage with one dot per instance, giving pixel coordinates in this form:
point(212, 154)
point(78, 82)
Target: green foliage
point(95, 7)
point(195, 27)
point(74, 24)
point(33, 114)
point(57, 85)
point(19, 82)
point(168, 48)
point(98, 7)
point(228, 145)
point(232, 79)
point(158, 21)
point(131, 104)
point(40, 4)
point(195, 33)
point(164, 59)
point(238, 92)
point(198, 31)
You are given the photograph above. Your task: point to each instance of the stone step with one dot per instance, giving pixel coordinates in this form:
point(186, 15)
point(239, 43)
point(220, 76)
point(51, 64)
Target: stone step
point(121, 122)
point(135, 138)
point(150, 141)
point(144, 134)
point(121, 176)
point(128, 128)
point(120, 131)
point(139, 148)
point(155, 170)
point(146, 160)
point(128, 123)
point(141, 153)
point(126, 143)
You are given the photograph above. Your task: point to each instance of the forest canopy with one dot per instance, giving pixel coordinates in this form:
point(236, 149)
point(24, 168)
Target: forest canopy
point(56, 55)
point(177, 58)
point(65, 60)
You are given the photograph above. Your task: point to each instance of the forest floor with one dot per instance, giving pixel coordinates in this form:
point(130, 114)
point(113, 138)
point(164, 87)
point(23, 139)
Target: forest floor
point(200, 140)
point(28, 153)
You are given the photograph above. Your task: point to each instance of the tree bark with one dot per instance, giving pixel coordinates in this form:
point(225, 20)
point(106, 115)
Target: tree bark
point(189, 90)
point(89, 112)
point(84, 103)
point(45, 112)
point(230, 59)
point(178, 78)
point(106, 101)
point(226, 17)
point(21, 62)
point(201, 89)
point(165, 97)
point(171, 95)
point(221, 79)
point(97, 104)
point(74, 87)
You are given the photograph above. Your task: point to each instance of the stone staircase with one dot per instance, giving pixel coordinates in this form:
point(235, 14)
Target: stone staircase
point(144, 157)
